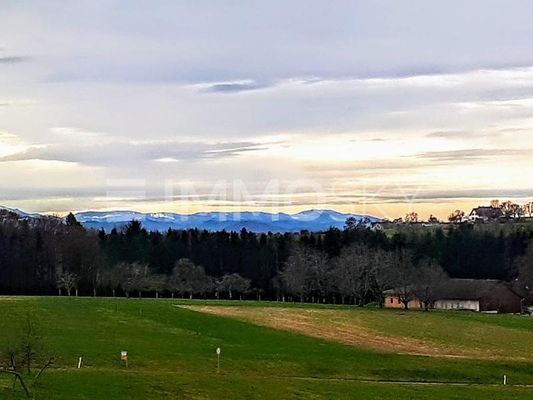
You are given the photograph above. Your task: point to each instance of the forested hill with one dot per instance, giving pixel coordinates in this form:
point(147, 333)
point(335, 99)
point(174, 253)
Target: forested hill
point(37, 253)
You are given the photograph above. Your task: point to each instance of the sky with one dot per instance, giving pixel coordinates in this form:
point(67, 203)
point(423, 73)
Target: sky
point(376, 107)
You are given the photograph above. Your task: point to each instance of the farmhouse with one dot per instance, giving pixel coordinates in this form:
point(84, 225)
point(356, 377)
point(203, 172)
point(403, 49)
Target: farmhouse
point(465, 294)
point(485, 214)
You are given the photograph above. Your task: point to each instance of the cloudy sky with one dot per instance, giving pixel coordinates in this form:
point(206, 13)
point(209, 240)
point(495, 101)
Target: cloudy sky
point(360, 106)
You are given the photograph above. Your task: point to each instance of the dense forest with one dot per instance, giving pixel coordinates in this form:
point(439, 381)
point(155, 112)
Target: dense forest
point(50, 256)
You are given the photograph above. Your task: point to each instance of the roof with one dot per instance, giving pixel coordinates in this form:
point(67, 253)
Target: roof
point(466, 289)
point(487, 212)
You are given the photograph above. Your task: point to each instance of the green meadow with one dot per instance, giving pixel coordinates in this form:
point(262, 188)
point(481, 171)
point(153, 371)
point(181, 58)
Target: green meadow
point(268, 351)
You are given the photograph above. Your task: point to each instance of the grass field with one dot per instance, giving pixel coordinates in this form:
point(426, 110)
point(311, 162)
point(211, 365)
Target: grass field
point(269, 351)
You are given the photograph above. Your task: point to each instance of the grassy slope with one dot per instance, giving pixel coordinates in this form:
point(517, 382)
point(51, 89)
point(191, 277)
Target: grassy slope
point(172, 356)
point(448, 334)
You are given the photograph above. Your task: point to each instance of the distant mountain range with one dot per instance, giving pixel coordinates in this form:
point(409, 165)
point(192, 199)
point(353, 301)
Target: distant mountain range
point(20, 213)
point(310, 220)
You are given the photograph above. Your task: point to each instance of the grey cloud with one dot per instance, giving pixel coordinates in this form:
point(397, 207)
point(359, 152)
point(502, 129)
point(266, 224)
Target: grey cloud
point(365, 167)
point(389, 195)
point(203, 41)
point(430, 195)
point(12, 60)
point(418, 70)
point(513, 130)
point(18, 193)
point(372, 139)
point(234, 87)
point(474, 133)
point(448, 134)
point(472, 154)
point(10, 103)
point(415, 193)
point(475, 194)
point(117, 153)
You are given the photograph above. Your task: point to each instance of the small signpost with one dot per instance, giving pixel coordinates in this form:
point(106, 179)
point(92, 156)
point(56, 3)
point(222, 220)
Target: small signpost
point(124, 357)
point(218, 359)
point(80, 361)
point(505, 379)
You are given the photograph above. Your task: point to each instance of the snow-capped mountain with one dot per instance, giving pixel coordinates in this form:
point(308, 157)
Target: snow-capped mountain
point(20, 213)
point(311, 220)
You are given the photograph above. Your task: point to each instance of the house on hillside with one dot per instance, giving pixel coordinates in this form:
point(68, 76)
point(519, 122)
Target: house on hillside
point(478, 295)
point(485, 214)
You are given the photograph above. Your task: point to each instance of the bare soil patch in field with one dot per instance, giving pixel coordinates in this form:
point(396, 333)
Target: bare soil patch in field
point(12, 298)
point(338, 326)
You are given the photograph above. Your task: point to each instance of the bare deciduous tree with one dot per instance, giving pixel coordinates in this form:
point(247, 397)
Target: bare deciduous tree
point(294, 275)
point(411, 218)
point(352, 273)
point(111, 278)
point(25, 349)
point(457, 216)
point(511, 210)
point(527, 209)
point(158, 284)
point(24, 352)
point(429, 276)
point(382, 272)
point(234, 283)
point(189, 278)
point(404, 278)
point(68, 281)
point(319, 276)
point(433, 220)
point(305, 272)
point(134, 277)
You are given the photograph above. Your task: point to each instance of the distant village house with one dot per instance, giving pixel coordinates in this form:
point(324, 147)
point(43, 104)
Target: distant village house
point(486, 214)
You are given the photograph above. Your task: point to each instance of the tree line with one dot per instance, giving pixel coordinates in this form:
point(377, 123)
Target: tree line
point(58, 256)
